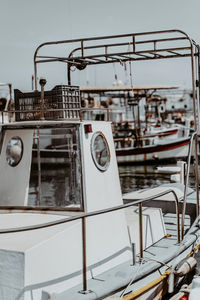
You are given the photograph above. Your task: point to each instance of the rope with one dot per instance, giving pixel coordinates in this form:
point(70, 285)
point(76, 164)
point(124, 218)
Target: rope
point(135, 274)
point(115, 73)
point(131, 281)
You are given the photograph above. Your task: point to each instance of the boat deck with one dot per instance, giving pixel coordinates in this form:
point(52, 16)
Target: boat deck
point(127, 278)
point(119, 277)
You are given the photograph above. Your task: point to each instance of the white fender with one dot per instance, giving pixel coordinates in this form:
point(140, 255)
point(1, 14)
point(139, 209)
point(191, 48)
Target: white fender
point(186, 267)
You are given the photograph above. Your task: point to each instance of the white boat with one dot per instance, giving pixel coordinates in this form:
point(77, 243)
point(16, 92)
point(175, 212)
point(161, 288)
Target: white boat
point(135, 140)
point(154, 150)
point(92, 246)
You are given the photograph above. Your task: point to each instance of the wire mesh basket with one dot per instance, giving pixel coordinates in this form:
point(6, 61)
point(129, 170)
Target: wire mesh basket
point(62, 102)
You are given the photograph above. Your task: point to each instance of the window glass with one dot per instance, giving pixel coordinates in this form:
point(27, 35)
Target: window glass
point(14, 151)
point(100, 151)
point(56, 168)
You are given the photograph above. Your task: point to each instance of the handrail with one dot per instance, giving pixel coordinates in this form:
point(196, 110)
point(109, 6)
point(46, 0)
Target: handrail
point(186, 183)
point(74, 218)
point(83, 217)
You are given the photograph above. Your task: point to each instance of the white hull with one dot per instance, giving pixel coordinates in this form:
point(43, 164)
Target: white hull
point(174, 153)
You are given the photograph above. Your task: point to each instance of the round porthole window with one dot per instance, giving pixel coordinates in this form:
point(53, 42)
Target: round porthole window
point(100, 151)
point(14, 151)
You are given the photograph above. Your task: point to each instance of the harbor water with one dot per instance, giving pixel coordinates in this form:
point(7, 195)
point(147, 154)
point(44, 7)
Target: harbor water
point(55, 182)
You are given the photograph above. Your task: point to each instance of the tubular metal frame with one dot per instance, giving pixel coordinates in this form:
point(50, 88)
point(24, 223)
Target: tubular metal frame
point(83, 217)
point(134, 47)
point(131, 48)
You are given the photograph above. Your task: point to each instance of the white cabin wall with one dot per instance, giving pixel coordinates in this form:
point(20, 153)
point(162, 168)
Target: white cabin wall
point(102, 189)
point(53, 261)
point(107, 234)
point(14, 181)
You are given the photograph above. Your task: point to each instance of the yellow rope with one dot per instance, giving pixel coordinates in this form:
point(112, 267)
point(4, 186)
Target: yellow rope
point(147, 287)
point(156, 281)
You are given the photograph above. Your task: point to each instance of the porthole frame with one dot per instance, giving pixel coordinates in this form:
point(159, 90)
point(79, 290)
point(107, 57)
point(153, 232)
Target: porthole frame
point(21, 154)
point(102, 168)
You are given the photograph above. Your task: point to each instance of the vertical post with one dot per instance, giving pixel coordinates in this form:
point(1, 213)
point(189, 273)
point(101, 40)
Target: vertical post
point(133, 43)
point(140, 231)
point(133, 252)
point(82, 48)
point(39, 169)
point(10, 91)
point(35, 72)
point(154, 48)
point(84, 256)
point(42, 83)
point(69, 73)
point(178, 219)
point(2, 117)
point(186, 185)
point(196, 117)
point(196, 175)
point(106, 52)
point(32, 82)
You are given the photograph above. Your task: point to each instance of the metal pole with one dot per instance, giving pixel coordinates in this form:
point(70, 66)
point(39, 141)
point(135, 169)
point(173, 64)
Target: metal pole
point(140, 231)
point(35, 72)
point(32, 82)
point(84, 255)
point(42, 83)
point(196, 175)
point(186, 185)
point(10, 91)
point(69, 73)
point(196, 117)
point(39, 169)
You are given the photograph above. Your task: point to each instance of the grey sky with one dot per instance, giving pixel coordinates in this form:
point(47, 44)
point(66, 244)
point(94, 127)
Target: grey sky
point(24, 24)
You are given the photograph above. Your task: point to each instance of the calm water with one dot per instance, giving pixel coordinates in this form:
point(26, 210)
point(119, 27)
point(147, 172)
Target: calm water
point(56, 187)
point(139, 177)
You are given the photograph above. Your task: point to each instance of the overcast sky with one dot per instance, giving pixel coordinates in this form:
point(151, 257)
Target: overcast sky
point(24, 24)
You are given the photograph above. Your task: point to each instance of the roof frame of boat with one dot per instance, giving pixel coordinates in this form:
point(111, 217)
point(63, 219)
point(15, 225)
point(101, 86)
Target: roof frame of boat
point(130, 47)
point(142, 46)
point(153, 45)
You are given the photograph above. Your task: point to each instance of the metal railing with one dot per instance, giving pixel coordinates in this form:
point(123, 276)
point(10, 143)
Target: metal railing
point(83, 217)
point(194, 135)
point(4, 113)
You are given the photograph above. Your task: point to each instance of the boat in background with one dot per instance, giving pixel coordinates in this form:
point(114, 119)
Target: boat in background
point(139, 131)
point(84, 243)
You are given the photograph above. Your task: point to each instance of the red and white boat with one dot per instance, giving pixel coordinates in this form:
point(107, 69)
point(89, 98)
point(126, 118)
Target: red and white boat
point(169, 150)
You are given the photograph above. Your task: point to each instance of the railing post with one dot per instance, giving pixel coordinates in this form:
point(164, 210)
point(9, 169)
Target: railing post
point(84, 266)
point(84, 256)
point(140, 231)
point(186, 184)
point(39, 192)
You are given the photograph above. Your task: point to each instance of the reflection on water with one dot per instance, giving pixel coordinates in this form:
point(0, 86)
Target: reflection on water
point(57, 189)
point(54, 187)
point(140, 177)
